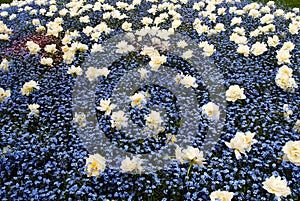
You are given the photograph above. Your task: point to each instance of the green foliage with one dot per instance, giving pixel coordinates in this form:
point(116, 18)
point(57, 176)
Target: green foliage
point(5, 1)
point(286, 3)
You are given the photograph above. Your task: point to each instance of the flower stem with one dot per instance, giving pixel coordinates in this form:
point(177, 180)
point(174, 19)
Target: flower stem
point(189, 169)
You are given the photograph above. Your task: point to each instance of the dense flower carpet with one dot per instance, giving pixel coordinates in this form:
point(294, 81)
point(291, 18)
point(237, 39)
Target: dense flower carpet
point(149, 100)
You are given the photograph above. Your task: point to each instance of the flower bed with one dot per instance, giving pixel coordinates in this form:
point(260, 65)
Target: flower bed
point(207, 107)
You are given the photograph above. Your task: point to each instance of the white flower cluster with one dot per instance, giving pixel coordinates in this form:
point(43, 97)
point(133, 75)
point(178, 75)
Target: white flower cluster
point(186, 80)
point(191, 154)
point(93, 73)
point(29, 87)
point(291, 152)
point(241, 143)
point(80, 119)
point(235, 93)
point(33, 47)
point(211, 110)
point(95, 164)
point(4, 64)
point(34, 110)
point(284, 79)
point(4, 31)
point(154, 122)
point(4, 94)
point(277, 186)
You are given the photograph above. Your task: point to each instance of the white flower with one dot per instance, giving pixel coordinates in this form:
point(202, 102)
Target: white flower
point(149, 51)
point(243, 49)
point(93, 73)
point(283, 56)
point(277, 186)
point(221, 195)
point(286, 82)
point(33, 109)
point(29, 87)
point(154, 122)
point(147, 21)
point(50, 48)
point(32, 47)
point(297, 126)
point(211, 110)
point(273, 41)
point(74, 70)
point(234, 93)
point(84, 19)
point(95, 164)
point(54, 28)
point(287, 111)
point(97, 48)
point(186, 80)
point(258, 48)
point(156, 61)
point(289, 46)
point(267, 19)
point(209, 50)
point(130, 165)
point(123, 47)
point(106, 106)
point(187, 54)
point(285, 70)
point(241, 143)
point(291, 151)
point(219, 27)
point(236, 21)
point(127, 26)
point(4, 94)
point(143, 72)
point(46, 61)
point(4, 64)
point(191, 154)
point(80, 119)
point(181, 44)
point(118, 120)
point(138, 99)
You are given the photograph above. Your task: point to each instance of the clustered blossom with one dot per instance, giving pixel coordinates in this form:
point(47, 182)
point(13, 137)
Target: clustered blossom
point(34, 109)
point(221, 195)
point(211, 110)
point(29, 87)
point(80, 119)
point(297, 126)
point(74, 70)
point(46, 61)
point(157, 61)
point(186, 80)
point(154, 122)
point(119, 120)
point(33, 47)
point(287, 111)
point(4, 94)
point(93, 73)
point(130, 165)
point(106, 106)
point(95, 164)
point(241, 143)
point(138, 99)
point(235, 93)
point(191, 154)
point(277, 186)
point(284, 79)
point(4, 64)
point(291, 152)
